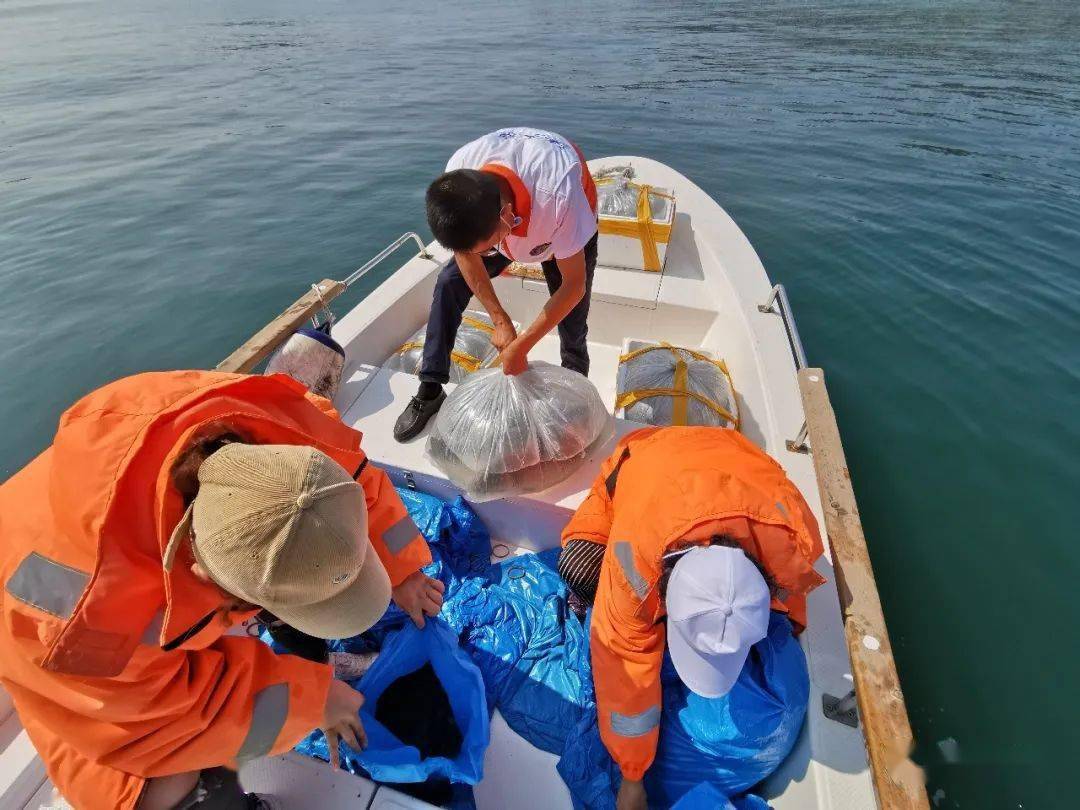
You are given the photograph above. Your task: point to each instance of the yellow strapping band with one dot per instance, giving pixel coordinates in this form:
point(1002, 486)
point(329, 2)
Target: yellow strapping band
point(678, 406)
point(649, 233)
point(466, 361)
point(483, 327)
point(463, 359)
point(629, 398)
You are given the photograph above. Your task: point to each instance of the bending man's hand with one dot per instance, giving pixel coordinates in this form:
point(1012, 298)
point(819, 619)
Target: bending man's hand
point(341, 720)
point(419, 594)
point(514, 359)
point(504, 334)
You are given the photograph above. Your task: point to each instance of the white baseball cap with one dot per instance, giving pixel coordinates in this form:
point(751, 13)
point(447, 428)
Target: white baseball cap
point(717, 609)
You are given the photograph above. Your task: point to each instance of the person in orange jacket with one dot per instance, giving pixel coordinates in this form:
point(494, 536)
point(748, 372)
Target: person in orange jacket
point(689, 536)
point(170, 507)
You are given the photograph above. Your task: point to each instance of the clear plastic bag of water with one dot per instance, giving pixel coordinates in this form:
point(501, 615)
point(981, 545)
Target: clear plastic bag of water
point(498, 435)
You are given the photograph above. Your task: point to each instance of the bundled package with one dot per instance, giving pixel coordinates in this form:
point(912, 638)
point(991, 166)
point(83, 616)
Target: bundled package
point(472, 348)
point(498, 435)
point(661, 384)
point(635, 222)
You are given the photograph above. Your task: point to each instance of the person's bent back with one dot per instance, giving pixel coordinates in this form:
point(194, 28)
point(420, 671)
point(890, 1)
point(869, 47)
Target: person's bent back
point(116, 595)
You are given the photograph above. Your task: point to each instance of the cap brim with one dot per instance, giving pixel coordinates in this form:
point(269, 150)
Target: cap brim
point(350, 612)
point(709, 676)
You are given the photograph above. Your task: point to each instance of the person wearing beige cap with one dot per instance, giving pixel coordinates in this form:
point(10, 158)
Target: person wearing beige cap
point(170, 508)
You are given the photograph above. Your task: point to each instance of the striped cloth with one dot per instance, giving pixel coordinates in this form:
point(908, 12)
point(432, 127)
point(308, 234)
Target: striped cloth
point(579, 565)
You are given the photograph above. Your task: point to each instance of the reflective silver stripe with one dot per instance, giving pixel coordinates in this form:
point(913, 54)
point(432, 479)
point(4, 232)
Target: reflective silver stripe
point(400, 534)
point(267, 719)
point(635, 725)
point(48, 585)
point(783, 511)
point(624, 553)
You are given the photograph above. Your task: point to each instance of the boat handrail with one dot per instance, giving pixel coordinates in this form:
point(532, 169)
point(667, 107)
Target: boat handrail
point(259, 346)
point(779, 293)
point(356, 275)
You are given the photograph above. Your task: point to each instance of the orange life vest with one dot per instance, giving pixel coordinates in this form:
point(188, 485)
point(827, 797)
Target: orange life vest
point(663, 488)
point(118, 669)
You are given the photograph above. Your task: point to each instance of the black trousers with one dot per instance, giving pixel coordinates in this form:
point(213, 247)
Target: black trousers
point(452, 295)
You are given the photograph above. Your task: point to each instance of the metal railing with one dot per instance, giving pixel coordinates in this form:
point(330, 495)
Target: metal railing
point(800, 443)
point(779, 293)
point(386, 251)
point(327, 314)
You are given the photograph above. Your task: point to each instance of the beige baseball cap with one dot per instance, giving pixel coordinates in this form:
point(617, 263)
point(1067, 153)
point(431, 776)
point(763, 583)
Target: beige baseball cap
point(285, 527)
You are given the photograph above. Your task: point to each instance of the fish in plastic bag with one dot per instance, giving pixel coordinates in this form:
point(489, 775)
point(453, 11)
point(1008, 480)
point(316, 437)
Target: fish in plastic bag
point(667, 385)
point(498, 435)
point(472, 348)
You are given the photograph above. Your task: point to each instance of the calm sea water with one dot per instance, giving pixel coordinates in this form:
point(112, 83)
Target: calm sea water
point(171, 174)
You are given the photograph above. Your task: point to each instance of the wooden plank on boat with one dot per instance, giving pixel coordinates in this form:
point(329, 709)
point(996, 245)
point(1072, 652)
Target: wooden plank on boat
point(898, 782)
point(259, 346)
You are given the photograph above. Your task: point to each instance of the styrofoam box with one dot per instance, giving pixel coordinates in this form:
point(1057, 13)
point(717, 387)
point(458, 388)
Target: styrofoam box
point(625, 251)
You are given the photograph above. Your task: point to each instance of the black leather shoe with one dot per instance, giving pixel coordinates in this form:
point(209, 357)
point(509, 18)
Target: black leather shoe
point(415, 416)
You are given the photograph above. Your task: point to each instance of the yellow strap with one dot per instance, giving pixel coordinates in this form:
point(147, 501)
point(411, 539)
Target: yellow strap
point(629, 398)
point(466, 361)
point(483, 327)
point(678, 407)
point(674, 350)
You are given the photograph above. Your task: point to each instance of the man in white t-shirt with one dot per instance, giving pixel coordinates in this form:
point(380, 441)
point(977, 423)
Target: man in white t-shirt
point(514, 194)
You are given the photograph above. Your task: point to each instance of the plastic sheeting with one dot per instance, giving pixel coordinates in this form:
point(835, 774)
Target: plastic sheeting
point(706, 796)
point(498, 435)
point(618, 197)
point(649, 376)
point(472, 348)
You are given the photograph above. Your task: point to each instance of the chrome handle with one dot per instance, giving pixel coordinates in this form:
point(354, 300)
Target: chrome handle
point(386, 251)
point(780, 294)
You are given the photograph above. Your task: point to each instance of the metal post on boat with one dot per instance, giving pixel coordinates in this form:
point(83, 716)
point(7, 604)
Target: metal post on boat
point(778, 295)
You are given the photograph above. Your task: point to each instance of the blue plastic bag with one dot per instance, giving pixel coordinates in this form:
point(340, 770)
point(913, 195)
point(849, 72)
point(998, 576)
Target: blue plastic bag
point(387, 759)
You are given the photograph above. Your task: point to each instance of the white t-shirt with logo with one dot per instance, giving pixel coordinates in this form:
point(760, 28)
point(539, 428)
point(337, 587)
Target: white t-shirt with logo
point(554, 193)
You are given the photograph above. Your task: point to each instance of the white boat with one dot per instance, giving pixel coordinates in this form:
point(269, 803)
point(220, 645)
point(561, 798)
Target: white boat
point(713, 294)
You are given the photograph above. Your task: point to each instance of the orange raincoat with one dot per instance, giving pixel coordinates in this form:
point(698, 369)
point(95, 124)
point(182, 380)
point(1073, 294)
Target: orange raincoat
point(661, 489)
point(118, 669)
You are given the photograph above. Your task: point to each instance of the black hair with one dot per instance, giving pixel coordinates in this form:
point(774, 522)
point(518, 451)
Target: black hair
point(463, 208)
point(717, 540)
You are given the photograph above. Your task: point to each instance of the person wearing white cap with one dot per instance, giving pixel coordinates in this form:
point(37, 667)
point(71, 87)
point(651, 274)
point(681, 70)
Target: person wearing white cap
point(171, 507)
point(688, 539)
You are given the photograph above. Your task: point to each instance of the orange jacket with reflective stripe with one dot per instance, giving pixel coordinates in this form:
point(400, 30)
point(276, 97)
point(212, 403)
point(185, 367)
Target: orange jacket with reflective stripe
point(117, 667)
point(661, 489)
